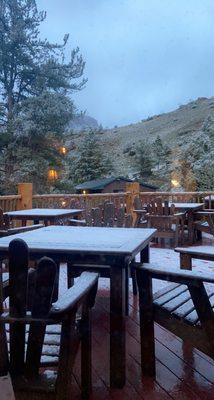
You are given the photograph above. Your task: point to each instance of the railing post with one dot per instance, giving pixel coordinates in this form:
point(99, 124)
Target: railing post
point(25, 190)
point(132, 190)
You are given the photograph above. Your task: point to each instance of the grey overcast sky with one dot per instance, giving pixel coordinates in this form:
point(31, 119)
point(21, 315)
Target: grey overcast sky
point(143, 57)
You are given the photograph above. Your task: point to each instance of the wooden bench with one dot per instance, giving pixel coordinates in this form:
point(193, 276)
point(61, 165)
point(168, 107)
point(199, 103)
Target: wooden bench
point(185, 307)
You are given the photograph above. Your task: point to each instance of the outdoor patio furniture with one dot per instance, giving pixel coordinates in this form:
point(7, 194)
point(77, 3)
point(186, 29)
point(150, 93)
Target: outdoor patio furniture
point(104, 216)
point(204, 222)
point(140, 213)
point(169, 223)
point(43, 334)
point(186, 307)
point(48, 216)
point(114, 247)
point(188, 209)
point(5, 226)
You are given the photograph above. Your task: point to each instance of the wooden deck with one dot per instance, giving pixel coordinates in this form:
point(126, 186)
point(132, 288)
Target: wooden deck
point(183, 373)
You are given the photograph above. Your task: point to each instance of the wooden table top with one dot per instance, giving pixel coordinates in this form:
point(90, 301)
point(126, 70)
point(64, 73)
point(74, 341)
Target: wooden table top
point(197, 250)
point(84, 240)
point(188, 206)
point(43, 212)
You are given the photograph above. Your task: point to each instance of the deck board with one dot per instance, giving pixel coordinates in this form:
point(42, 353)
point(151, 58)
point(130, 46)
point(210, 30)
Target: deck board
point(183, 373)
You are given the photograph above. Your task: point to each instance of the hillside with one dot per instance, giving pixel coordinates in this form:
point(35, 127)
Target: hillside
point(187, 120)
point(177, 129)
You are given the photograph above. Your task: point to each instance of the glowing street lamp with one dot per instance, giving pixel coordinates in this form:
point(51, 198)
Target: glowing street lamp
point(52, 174)
point(63, 150)
point(175, 183)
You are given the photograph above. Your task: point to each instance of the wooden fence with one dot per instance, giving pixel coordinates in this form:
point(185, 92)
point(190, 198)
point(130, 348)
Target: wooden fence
point(10, 203)
point(25, 199)
point(119, 199)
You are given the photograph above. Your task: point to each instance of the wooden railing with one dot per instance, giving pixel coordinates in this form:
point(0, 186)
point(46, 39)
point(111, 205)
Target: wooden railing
point(24, 199)
point(9, 203)
point(119, 199)
point(180, 197)
point(82, 201)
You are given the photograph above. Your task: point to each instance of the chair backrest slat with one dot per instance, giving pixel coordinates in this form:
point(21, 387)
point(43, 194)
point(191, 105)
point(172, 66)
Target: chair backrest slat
point(4, 362)
point(137, 203)
point(120, 217)
point(108, 214)
point(96, 214)
point(41, 304)
point(18, 272)
point(128, 221)
point(2, 222)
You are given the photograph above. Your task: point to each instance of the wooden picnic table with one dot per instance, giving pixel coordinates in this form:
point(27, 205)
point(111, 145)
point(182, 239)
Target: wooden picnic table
point(115, 247)
point(47, 215)
point(189, 208)
point(198, 252)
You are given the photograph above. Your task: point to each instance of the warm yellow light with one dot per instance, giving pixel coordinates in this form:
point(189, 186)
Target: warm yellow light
point(84, 192)
point(63, 203)
point(63, 150)
point(175, 183)
point(52, 174)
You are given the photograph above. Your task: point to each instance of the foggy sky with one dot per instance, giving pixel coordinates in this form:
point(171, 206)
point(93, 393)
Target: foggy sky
point(143, 57)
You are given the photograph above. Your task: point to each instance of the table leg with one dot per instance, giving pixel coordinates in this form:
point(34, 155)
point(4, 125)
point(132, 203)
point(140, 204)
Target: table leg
point(56, 283)
point(144, 255)
point(190, 219)
point(117, 327)
point(185, 261)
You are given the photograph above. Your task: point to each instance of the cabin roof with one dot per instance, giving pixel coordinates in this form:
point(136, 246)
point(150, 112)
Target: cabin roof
point(99, 184)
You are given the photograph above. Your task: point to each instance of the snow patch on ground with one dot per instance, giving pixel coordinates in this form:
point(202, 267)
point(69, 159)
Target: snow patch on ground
point(163, 257)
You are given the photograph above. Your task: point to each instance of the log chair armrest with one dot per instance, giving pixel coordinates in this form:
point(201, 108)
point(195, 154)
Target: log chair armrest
point(205, 213)
point(143, 212)
point(21, 229)
point(75, 296)
point(180, 214)
point(184, 277)
point(76, 222)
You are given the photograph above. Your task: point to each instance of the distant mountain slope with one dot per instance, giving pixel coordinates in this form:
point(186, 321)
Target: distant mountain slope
point(188, 119)
point(119, 143)
point(83, 123)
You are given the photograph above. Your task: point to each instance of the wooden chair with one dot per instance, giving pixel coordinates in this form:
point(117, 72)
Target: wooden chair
point(204, 222)
point(106, 216)
point(185, 308)
point(169, 224)
point(140, 213)
point(43, 334)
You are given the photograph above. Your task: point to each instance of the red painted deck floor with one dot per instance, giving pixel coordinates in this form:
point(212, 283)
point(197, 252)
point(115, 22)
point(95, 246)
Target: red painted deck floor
point(182, 371)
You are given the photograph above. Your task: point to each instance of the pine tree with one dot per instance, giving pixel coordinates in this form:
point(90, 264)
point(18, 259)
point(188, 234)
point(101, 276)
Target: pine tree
point(34, 83)
point(161, 152)
point(144, 161)
point(193, 162)
point(91, 162)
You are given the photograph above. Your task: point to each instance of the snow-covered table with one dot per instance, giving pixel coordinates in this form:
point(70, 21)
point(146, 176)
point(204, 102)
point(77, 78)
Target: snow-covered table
point(47, 215)
point(114, 247)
